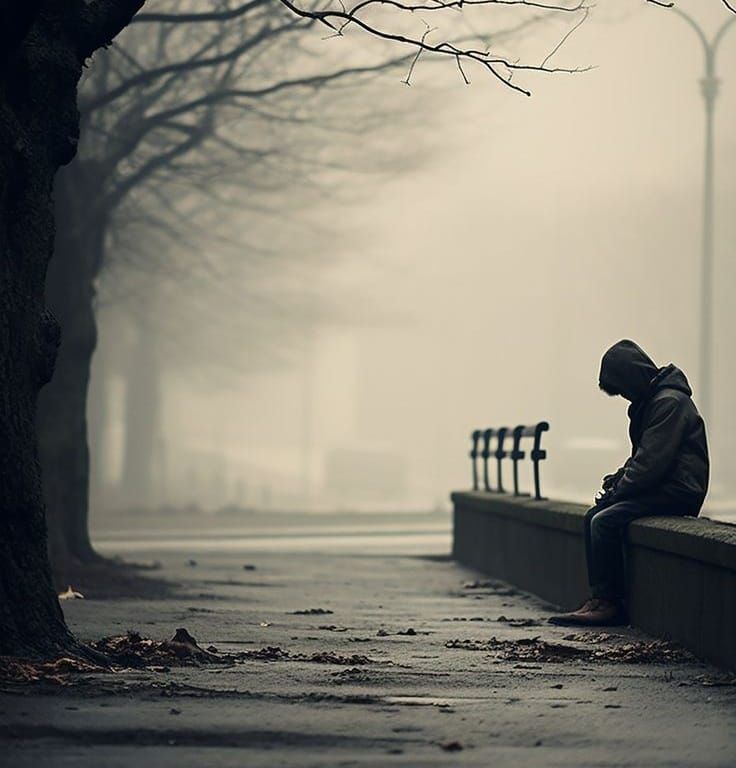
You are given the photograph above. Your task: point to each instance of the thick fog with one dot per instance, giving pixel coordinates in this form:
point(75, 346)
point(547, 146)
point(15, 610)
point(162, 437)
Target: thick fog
point(464, 262)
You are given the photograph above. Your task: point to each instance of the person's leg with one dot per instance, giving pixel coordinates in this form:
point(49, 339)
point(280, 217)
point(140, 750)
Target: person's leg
point(604, 530)
point(589, 515)
point(607, 528)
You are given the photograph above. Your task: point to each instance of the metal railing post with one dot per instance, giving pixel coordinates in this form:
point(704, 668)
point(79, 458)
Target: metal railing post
point(486, 454)
point(475, 437)
point(537, 455)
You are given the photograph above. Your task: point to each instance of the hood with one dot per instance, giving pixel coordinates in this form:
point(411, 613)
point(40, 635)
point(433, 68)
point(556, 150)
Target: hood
point(673, 378)
point(627, 370)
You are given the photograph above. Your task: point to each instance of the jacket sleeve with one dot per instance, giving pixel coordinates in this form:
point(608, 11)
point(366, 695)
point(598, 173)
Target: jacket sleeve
point(657, 448)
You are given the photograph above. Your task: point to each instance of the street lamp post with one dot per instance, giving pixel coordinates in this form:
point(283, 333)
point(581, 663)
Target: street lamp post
point(709, 88)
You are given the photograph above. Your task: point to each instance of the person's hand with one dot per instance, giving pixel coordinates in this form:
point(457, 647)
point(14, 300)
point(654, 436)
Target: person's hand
point(611, 481)
point(603, 497)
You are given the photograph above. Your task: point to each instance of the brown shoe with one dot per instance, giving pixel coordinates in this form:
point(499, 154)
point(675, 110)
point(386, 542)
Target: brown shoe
point(596, 612)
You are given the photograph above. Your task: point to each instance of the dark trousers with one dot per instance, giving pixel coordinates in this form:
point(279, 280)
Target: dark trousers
point(604, 539)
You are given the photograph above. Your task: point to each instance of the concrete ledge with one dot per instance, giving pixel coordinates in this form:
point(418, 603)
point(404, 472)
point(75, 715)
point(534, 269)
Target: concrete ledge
point(681, 571)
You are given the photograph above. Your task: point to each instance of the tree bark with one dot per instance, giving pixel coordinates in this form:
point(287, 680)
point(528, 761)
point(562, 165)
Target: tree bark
point(62, 412)
point(43, 48)
point(36, 136)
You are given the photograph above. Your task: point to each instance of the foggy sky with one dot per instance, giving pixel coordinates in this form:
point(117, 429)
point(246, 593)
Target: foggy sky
point(534, 233)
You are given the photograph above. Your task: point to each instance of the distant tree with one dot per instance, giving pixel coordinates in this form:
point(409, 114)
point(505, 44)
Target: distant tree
point(44, 45)
point(165, 134)
point(170, 132)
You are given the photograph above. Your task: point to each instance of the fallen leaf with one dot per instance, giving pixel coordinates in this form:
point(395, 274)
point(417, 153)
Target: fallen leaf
point(71, 594)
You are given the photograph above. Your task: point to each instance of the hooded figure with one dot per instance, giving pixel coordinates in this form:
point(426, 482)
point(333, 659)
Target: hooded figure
point(669, 451)
point(666, 474)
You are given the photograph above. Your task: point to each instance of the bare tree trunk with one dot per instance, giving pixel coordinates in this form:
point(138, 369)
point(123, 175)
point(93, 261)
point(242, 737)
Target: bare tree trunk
point(142, 418)
point(30, 616)
point(62, 412)
point(36, 135)
point(42, 48)
point(98, 430)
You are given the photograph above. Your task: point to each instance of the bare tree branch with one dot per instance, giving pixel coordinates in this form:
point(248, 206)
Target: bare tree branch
point(188, 65)
point(193, 18)
point(500, 67)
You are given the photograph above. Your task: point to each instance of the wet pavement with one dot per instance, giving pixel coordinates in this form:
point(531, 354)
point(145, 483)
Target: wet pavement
point(329, 657)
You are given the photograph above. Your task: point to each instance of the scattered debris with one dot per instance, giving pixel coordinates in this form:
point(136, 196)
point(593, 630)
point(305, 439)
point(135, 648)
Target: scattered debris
point(534, 649)
point(451, 746)
point(269, 653)
point(643, 652)
point(275, 653)
point(592, 637)
point(328, 657)
point(133, 650)
point(350, 675)
point(71, 594)
point(721, 681)
point(57, 672)
point(519, 622)
point(410, 632)
point(332, 628)
point(484, 584)
point(494, 586)
point(312, 612)
point(525, 649)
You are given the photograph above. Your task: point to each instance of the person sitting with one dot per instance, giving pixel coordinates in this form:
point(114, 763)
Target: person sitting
point(666, 474)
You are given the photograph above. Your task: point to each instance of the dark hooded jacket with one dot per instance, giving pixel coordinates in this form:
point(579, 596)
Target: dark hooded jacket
point(669, 451)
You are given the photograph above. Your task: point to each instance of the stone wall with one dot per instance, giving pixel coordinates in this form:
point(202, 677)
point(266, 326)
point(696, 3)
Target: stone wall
point(681, 571)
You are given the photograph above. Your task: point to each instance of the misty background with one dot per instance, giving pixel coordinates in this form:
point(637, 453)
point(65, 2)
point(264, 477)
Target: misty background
point(463, 261)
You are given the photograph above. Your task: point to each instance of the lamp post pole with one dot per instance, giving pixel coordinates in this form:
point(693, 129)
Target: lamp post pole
point(709, 88)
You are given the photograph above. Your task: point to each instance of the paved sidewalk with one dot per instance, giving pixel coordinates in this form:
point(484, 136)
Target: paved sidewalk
point(413, 702)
